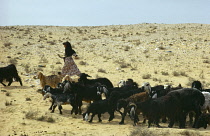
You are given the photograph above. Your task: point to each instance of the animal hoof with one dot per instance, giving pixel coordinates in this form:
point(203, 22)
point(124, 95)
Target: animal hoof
point(121, 123)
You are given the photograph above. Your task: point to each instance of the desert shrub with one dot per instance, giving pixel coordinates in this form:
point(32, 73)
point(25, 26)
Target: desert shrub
point(127, 48)
point(142, 132)
point(7, 103)
point(8, 94)
point(31, 114)
point(52, 42)
point(155, 79)
point(175, 73)
point(146, 76)
point(26, 67)
point(82, 63)
point(101, 70)
point(161, 48)
point(182, 73)
point(122, 64)
point(206, 61)
point(50, 120)
point(41, 118)
point(13, 61)
point(7, 44)
point(190, 133)
point(50, 33)
point(164, 73)
point(28, 99)
point(43, 59)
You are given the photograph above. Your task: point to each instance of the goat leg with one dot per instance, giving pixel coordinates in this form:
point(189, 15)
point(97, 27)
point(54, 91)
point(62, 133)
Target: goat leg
point(99, 117)
point(91, 119)
point(111, 116)
point(123, 116)
point(53, 101)
point(10, 81)
point(53, 109)
point(3, 84)
point(60, 108)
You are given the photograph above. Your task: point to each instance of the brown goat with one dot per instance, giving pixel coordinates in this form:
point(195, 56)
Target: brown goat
point(51, 80)
point(124, 103)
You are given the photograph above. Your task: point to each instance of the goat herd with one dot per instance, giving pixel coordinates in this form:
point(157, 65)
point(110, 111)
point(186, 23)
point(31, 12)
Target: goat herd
point(171, 104)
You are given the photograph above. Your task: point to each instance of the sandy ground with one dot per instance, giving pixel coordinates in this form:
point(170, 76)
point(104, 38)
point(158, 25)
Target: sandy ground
point(156, 53)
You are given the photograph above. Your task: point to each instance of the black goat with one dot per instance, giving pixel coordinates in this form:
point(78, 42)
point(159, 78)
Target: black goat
point(191, 99)
point(117, 95)
point(60, 99)
point(53, 91)
point(154, 109)
point(197, 85)
point(9, 73)
point(203, 120)
point(128, 84)
point(104, 81)
point(151, 90)
point(83, 93)
point(122, 89)
point(98, 107)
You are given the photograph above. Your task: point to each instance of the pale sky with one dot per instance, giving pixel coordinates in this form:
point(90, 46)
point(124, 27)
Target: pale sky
point(102, 12)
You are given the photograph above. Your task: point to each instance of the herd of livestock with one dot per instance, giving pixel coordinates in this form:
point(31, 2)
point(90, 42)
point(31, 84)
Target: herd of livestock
point(171, 104)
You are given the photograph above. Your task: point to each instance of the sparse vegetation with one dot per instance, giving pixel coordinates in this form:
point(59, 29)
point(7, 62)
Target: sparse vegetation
point(28, 99)
point(7, 44)
point(165, 73)
point(31, 114)
point(175, 73)
point(8, 94)
point(8, 103)
point(82, 63)
point(13, 61)
point(190, 133)
point(142, 132)
point(146, 76)
point(26, 67)
point(101, 70)
point(34, 115)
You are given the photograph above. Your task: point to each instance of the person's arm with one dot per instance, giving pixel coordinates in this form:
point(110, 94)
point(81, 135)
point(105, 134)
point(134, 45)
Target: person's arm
point(75, 56)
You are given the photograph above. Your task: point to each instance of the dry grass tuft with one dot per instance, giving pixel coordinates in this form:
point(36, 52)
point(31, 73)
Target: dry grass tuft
point(8, 94)
point(190, 133)
point(13, 61)
point(142, 132)
point(7, 103)
point(7, 44)
point(146, 76)
point(31, 114)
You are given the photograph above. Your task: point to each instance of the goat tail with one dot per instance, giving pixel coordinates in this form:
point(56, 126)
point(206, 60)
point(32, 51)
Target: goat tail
point(86, 116)
point(132, 110)
point(132, 113)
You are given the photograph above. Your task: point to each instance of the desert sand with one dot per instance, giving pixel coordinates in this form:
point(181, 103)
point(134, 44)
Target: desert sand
point(156, 53)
